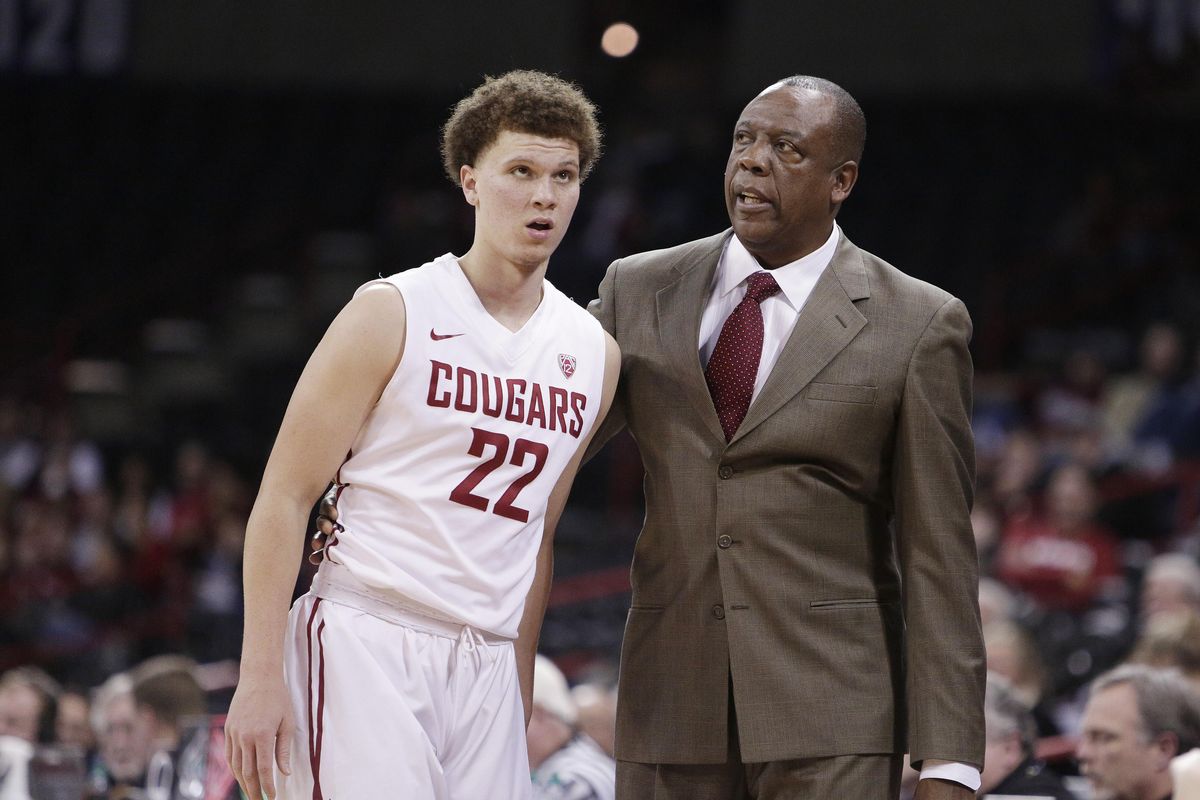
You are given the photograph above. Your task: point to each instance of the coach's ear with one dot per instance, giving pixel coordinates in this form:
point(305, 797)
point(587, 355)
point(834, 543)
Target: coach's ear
point(466, 176)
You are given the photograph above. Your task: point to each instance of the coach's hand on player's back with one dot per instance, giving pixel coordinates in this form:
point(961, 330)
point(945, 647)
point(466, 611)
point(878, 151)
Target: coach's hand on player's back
point(327, 515)
point(258, 730)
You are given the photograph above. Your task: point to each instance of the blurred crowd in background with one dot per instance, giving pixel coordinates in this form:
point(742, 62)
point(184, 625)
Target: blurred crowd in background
point(177, 250)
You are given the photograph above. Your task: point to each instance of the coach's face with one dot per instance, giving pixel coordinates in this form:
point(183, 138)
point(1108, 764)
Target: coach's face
point(784, 181)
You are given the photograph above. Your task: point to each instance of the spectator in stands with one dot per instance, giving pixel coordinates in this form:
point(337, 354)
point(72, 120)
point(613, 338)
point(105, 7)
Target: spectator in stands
point(597, 704)
point(1071, 406)
point(566, 764)
point(166, 691)
point(191, 507)
point(27, 708)
point(1127, 397)
point(122, 763)
point(1137, 720)
point(1186, 438)
point(1164, 419)
point(215, 624)
point(1062, 558)
point(69, 465)
point(996, 602)
point(138, 513)
point(28, 704)
point(19, 452)
point(986, 524)
point(1009, 764)
point(1012, 654)
point(72, 726)
point(1171, 640)
point(42, 579)
point(1171, 584)
point(1018, 470)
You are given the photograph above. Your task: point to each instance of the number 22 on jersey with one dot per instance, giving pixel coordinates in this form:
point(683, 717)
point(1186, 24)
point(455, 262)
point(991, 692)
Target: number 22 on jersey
point(504, 507)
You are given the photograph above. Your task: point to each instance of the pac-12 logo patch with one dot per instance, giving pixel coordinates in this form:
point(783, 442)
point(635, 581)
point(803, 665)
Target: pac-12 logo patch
point(567, 364)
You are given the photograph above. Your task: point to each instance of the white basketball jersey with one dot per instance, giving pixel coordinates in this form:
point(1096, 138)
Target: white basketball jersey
point(445, 489)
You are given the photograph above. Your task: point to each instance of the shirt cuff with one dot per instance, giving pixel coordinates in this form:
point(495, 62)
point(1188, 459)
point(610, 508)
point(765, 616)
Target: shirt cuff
point(959, 773)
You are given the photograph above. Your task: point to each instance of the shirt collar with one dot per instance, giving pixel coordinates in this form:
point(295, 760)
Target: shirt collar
point(795, 279)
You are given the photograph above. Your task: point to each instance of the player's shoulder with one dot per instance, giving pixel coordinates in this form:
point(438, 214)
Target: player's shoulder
point(430, 273)
point(566, 310)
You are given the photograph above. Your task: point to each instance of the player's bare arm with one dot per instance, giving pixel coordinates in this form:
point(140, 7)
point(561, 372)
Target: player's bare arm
point(539, 591)
point(342, 381)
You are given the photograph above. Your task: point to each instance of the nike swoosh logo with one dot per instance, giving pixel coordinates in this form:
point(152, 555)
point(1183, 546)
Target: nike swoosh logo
point(437, 337)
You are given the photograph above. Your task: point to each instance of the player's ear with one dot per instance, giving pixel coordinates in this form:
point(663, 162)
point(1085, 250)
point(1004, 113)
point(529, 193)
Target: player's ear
point(466, 177)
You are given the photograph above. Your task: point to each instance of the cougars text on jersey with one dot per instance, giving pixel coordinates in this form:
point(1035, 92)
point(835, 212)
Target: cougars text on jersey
point(515, 399)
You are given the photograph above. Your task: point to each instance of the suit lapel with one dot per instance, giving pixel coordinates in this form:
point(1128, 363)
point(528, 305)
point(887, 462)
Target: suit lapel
point(680, 305)
point(828, 322)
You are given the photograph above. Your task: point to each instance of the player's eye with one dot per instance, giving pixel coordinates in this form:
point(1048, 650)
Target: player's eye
point(741, 137)
point(784, 146)
point(521, 170)
point(565, 176)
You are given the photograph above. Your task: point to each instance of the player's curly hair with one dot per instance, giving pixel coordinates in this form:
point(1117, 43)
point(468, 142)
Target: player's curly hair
point(524, 101)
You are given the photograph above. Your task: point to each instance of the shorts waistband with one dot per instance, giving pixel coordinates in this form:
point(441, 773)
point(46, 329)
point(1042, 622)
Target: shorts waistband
point(346, 591)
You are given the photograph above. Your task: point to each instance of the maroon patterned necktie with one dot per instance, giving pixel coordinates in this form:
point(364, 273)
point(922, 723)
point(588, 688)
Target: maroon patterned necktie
point(733, 366)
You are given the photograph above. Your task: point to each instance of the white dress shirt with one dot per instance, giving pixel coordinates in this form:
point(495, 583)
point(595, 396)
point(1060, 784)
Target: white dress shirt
point(796, 281)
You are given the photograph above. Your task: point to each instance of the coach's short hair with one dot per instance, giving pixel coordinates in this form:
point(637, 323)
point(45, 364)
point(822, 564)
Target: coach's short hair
point(849, 122)
point(524, 101)
point(1167, 703)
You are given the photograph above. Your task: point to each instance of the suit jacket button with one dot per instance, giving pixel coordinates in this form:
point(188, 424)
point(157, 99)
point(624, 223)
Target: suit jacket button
point(724, 541)
point(719, 612)
point(725, 472)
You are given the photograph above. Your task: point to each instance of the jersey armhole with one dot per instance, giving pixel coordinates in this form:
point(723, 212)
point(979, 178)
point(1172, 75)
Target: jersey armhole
point(399, 358)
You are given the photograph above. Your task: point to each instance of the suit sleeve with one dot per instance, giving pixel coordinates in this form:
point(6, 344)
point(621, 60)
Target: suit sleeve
point(933, 485)
point(604, 309)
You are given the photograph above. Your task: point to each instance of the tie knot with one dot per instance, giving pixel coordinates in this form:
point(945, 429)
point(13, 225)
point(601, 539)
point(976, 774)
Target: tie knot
point(761, 286)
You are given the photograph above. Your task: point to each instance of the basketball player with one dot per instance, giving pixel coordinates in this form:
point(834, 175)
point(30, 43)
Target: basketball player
point(457, 399)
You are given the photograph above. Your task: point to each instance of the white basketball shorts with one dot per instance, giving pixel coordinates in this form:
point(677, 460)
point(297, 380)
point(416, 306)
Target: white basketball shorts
point(392, 704)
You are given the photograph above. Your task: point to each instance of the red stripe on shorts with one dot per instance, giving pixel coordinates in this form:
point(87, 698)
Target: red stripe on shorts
point(320, 710)
point(314, 734)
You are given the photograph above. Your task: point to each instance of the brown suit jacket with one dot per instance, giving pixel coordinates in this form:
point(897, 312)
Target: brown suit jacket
point(822, 561)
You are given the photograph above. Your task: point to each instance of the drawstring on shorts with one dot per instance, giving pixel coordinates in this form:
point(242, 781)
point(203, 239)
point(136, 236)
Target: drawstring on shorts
point(469, 639)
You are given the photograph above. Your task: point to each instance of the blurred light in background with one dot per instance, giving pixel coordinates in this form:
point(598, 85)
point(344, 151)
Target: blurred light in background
point(619, 40)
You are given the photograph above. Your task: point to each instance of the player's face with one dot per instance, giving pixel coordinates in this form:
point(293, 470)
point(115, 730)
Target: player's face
point(524, 189)
point(783, 182)
point(1113, 751)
